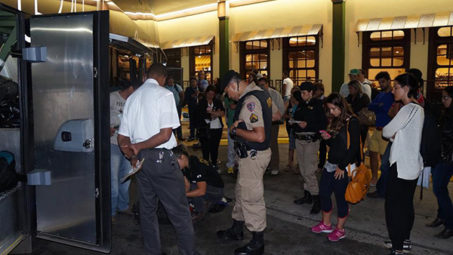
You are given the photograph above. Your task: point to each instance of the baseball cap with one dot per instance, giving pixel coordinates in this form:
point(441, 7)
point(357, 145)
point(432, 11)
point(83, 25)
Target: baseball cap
point(354, 71)
point(226, 78)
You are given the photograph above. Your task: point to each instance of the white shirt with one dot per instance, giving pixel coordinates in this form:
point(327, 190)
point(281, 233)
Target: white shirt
point(148, 110)
point(344, 90)
point(116, 111)
point(214, 123)
point(366, 87)
point(288, 83)
point(407, 128)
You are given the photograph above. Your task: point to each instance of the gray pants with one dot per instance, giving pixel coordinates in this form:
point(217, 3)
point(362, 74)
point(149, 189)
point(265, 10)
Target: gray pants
point(161, 179)
point(212, 196)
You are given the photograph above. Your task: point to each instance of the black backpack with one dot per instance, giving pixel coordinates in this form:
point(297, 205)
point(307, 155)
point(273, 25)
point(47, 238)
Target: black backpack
point(430, 143)
point(8, 176)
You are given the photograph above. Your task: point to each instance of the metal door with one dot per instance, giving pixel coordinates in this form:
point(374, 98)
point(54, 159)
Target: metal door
point(71, 128)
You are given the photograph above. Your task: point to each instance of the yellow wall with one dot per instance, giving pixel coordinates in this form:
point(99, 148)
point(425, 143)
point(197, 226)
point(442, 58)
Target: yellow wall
point(368, 9)
point(189, 27)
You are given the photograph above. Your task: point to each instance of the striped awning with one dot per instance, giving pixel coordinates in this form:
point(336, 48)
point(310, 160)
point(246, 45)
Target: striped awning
point(278, 33)
point(406, 22)
point(189, 42)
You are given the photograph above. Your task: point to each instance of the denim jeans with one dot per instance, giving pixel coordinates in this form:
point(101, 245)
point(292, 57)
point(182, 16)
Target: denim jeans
point(441, 177)
point(120, 167)
point(381, 185)
point(231, 152)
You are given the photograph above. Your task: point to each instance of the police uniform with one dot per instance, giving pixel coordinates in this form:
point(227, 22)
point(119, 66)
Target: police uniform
point(307, 144)
point(250, 206)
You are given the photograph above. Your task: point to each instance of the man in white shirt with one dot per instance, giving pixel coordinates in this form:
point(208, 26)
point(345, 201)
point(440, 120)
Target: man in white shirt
point(366, 84)
point(146, 133)
point(353, 75)
point(287, 87)
point(119, 164)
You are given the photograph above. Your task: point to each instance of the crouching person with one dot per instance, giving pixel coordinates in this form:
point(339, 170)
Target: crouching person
point(204, 186)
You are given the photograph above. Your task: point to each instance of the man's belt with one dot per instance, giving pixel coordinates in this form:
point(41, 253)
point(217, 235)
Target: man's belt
point(307, 137)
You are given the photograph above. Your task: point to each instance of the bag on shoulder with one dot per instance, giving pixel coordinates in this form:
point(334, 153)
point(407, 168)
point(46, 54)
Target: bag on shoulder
point(366, 117)
point(360, 178)
point(8, 176)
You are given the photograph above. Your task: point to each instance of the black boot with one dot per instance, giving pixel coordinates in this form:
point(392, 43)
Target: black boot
point(254, 247)
point(316, 205)
point(304, 200)
point(234, 233)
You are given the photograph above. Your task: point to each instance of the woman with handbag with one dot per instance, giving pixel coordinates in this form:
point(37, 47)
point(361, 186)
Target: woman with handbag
point(406, 163)
point(359, 102)
point(343, 156)
point(444, 170)
point(210, 128)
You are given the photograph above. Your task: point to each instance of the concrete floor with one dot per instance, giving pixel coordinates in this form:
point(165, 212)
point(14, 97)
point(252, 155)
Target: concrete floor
point(288, 225)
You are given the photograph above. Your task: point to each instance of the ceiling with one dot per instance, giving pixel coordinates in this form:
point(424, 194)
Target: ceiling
point(159, 6)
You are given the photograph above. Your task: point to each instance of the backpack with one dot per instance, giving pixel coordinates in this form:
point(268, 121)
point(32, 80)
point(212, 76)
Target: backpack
point(430, 143)
point(8, 176)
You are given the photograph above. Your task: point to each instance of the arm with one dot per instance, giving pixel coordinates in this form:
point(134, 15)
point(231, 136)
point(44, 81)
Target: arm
point(399, 121)
point(375, 104)
point(354, 146)
point(186, 184)
point(199, 191)
point(257, 134)
point(124, 142)
point(160, 138)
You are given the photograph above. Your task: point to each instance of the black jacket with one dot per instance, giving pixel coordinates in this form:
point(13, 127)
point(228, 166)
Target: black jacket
point(202, 105)
point(446, 132)
point(339, 153)
point(313, 113)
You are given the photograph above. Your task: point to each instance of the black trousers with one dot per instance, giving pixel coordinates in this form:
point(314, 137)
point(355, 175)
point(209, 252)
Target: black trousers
point(329, 185)
point(210, 144)
point(399, 208)
point(161, 179)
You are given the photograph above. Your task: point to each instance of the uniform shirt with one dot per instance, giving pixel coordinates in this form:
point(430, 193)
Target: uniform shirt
point(148, 110)
point(116, 111)
point(288, 83)
point(251, 112)
point(313, 113)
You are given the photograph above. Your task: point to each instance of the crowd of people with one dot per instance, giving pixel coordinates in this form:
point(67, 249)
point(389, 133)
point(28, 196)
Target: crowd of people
point(326, 133)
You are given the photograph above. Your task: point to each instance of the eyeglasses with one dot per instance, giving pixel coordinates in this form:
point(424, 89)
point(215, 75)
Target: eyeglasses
point(445, 97)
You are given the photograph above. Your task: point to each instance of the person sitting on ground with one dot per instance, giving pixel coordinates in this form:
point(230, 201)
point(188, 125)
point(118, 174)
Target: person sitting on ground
point(204, 186)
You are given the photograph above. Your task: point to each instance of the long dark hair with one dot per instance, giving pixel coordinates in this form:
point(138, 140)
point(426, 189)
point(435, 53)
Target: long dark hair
point(408, 79)
point(298, 96)
point(336, 123)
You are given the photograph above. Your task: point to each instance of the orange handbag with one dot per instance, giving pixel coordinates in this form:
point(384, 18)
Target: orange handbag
point(360, 178)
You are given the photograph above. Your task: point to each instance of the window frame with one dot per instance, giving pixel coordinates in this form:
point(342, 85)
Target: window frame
point(287, 49)
point(244, 51)
point(432, 92)
point(173, 57)
point(193, 73)
point(367, 44)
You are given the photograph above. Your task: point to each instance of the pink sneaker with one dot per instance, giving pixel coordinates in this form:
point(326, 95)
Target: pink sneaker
point(336, 235)
point(321, 228)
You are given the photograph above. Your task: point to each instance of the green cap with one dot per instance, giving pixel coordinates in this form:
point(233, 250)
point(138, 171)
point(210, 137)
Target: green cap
point(354, 71)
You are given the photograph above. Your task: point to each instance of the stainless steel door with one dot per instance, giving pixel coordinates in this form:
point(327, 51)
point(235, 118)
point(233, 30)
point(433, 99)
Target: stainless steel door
point(69, 101)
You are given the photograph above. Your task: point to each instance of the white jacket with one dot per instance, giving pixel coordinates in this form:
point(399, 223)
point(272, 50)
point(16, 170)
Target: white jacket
point(405, 130)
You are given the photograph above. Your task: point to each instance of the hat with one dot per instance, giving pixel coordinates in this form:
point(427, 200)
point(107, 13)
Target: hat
point(306, 85)
point(354, 71)
point(259, 76)
point(226, 78)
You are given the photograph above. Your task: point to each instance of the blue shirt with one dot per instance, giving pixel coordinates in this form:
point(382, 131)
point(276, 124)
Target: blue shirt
point(175, 89)
point(381, 106)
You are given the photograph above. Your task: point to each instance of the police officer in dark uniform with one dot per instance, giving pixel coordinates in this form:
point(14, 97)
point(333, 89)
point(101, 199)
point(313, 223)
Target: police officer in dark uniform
point(251, 131)
point(309, 119)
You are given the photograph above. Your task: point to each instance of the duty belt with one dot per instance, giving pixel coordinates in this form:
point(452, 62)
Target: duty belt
point(307, 137)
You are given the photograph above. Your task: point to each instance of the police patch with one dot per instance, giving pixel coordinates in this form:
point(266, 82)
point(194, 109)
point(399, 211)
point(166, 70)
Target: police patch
point(251, 106)
point(253, 118)
point(269, 102)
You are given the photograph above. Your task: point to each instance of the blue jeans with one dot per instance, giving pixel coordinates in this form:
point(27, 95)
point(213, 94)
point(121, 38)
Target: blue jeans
point(120, 167)
point(441, 177)
point(381, 185)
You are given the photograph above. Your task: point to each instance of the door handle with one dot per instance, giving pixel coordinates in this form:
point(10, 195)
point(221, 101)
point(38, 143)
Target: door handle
point(88, 144)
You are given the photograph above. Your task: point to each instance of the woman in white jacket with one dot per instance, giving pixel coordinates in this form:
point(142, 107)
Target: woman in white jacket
point(405, 133)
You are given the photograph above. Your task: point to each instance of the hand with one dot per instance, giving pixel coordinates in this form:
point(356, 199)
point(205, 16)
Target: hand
point(303, 124)
point(112, 131)
point(135, 149)
point(235, 124)
point(339, 174)
point(133, 162)
point(325, 135)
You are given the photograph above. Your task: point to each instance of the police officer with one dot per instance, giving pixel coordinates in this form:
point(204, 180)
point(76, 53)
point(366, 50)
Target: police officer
point(309, 119)
point(251, 131)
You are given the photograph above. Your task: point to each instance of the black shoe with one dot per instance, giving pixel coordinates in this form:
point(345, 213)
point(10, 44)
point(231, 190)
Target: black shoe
point(304, 200)
point(445, 234)
point(435, 223)
point(235, 233)
point(316, 205)
point(407, 246)
point(374, 194)
point(254, 247)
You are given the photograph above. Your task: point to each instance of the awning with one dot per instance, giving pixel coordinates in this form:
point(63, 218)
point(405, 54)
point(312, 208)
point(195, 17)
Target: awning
point(278, 33)
point(129, 44)
point(197, 41)
point(406, 22)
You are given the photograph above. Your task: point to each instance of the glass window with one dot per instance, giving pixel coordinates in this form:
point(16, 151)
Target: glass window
point(255, 56)
point(301, 58)
point(302, 41)
point(387, 35)
point(444, 32)
point(201, 61)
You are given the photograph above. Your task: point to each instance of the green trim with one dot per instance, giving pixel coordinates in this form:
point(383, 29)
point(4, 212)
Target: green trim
point(224, 46)
point(338, 45)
